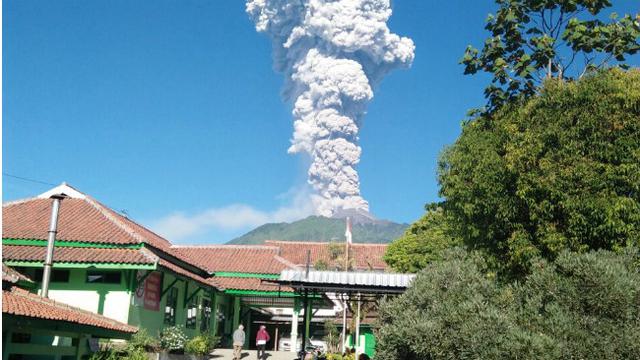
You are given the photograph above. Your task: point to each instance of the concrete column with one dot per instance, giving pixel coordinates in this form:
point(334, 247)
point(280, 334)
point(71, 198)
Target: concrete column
point(214, 312)
point(357, 342)
point(236, 313)
point(294, 324)
point(308, 312)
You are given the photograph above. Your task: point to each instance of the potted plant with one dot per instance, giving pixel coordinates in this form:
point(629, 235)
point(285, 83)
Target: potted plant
point(201, 346)
point(172, 341)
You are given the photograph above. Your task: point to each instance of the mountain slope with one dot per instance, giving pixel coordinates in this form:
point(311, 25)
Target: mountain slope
point(320, 228)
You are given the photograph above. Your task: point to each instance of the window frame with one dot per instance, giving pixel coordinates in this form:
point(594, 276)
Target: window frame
point(205, 318)
point(54, 275)
point(104, 274)
point(170, 307)
point(191, 318)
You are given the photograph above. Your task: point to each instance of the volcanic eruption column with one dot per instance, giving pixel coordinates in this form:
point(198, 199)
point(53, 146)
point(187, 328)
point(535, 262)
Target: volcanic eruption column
point(332, 54)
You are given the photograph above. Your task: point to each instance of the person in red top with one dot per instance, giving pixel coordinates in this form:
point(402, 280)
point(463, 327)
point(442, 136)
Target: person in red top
point(261, 342)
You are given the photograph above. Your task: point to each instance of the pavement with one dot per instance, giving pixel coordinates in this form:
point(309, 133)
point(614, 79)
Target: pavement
point(252, 355)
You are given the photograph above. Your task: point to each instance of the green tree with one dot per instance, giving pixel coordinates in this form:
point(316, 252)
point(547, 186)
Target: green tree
point(581, 306)
point(423, 242)
point(560, 172)
point(536, 39)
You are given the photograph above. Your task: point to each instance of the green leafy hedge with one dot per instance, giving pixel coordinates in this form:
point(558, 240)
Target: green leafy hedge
point(581, 306)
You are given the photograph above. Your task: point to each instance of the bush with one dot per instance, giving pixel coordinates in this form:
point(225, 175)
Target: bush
point(143, 341)
point(173, 338)
point(201, 345)
point(581, 306)
point(113, 354)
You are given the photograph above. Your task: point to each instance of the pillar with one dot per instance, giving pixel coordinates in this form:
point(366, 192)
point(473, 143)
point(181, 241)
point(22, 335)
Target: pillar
point(357, 342)
point(308, 315)
point(236, 313)
point(214, 312)
point(294, 324)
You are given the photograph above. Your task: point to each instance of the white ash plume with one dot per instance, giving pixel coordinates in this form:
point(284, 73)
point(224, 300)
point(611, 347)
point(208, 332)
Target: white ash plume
point(332, 52)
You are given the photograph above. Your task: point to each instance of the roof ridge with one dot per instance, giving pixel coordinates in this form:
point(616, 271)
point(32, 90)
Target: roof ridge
point(286, 262)
point(302, 242)
point(225, 246)
point(19, 201)
point(149, 255)
point(106, 212)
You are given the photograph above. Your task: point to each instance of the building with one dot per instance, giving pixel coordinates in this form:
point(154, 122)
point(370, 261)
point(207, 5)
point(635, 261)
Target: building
point(35, 326)
point(108, 264)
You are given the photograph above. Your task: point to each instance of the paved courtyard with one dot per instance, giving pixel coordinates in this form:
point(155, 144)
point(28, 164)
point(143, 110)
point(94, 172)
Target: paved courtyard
point(251, 355)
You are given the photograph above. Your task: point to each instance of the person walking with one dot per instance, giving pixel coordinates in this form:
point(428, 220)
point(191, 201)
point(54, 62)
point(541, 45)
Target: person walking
point(238, 342)
point(261, 342)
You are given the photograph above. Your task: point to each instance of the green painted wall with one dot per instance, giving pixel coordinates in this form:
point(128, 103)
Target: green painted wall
point(153, 321)
point(117, 300)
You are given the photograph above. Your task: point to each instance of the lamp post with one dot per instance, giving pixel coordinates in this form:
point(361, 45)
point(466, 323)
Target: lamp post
point(53, 230)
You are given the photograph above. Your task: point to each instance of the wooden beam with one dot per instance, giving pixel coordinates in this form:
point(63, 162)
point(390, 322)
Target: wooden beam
point(169, 287)
point(192, 295)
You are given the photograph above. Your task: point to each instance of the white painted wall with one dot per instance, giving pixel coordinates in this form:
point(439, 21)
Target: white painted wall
point(116, 304)
point(83, 299)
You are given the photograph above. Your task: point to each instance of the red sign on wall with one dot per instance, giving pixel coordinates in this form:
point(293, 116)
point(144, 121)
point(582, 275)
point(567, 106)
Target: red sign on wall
point(148, 293)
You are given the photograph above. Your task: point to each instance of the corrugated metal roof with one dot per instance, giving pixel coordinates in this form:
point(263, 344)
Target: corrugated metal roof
point(369, 279)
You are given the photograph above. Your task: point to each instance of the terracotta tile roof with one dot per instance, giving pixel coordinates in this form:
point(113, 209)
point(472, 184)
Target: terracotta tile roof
point(235, 283)
point(77, 255)
point(12, 276)
point(367, 256)
point(80, 219)
point(235, 258)
point(23, 303)
point(180, 271)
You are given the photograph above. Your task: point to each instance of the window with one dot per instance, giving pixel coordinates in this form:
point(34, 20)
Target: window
point(192, 311)
point(170, 307)
point(57, 276)
point(206, 315)
point(103, 277)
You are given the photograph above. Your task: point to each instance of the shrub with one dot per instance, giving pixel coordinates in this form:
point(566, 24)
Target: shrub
point(201, 345)
point(332, 337)
point(143, 341)
point(113, 354)
point(173, 338)
point(579, 306)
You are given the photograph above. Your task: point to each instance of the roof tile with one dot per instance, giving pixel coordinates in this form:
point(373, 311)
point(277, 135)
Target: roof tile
point(367, 256)
point(13, 276)
point(23, 303)
point(76, 255)
point(235, 283)
point(235, 258)
point(79, 219)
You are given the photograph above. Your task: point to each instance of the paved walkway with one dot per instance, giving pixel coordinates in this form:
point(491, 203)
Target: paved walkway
point(252, 355)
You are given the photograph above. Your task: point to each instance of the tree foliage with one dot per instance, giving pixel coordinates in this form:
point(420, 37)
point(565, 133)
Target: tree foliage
point(560, 172)
point(423, 242)
point(581, 306)
point(536, 39)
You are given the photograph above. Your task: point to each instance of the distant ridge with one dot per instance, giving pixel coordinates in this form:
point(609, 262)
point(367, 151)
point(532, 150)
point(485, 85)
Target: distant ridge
point(365, 227)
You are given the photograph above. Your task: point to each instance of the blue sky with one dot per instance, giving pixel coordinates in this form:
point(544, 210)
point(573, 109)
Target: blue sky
point(165, 108)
